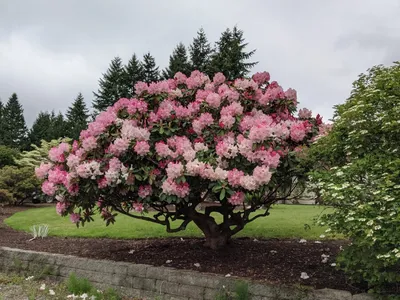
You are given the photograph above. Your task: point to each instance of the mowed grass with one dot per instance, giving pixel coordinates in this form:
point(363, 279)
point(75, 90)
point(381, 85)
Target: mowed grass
point(284, 221)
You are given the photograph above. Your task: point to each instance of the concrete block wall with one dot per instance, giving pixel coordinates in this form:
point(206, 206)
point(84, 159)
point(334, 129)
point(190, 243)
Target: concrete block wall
point(149, 282)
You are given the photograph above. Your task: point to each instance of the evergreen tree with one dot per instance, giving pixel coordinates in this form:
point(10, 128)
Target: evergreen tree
point(77, 117)
point(230, 56)
point(41, 129)
point(133, 73)
point(178, 62)
point(15, 132)
point(111, 86)
point(150, 70)
point(58, 126)
point(200, 51)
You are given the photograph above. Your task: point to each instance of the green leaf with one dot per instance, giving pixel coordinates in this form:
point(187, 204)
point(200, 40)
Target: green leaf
point(222, 195)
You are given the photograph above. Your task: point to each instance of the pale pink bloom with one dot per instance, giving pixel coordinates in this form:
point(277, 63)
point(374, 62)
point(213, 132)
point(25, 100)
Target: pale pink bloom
point(61, 207)
point(220, 173)
point(177, 93)
point(200, 147)
point(237, 198)
point(89, 143)
point(248, 182)
point(305, 113)
point(214, 100)
point(170, 187)
point(226, 149)
point(89, 170)
point(72, 161)
point(119, 146)
point(209, 87)
point(57, 176)
point(180, 78)
point(102, 183)
point(226, 121)
point(232, 109)
point(162, 149)
point(292, 95)
point(141, 87)
point(56, 154)
point(298, 132)
point(142, 148)
point(261, 78)
point(203, 121)
point(75, 218)
point(174, 170)
point(244, 84)
point(144, 191)
point(189, 154)
point(262, 175)
point(197, 79)
point(138, 207)
point(42, 171)
point(219, 78)
point(49, 188)
point(234, 177)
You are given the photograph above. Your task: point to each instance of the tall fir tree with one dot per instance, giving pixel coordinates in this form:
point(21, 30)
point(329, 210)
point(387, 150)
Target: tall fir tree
point(200, 52)
point(178, 62)
point(133, 73)
point(58, 126)
point(77, 117)
point(15, 131)
point(150, 70)
point(41, 129)
point(230, 56)
point(111, 86)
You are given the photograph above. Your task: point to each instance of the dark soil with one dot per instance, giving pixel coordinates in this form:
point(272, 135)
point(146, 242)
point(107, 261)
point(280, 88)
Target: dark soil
point(273, 260)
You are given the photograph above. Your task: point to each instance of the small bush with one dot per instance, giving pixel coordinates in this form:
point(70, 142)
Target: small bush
point(78, 286)
point(7, 156)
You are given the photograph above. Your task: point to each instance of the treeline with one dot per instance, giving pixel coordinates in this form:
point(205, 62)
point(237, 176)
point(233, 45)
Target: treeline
point(228, 55)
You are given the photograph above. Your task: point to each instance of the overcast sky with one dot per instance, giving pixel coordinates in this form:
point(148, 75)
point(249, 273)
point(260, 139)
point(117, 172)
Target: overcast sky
point(51, 50)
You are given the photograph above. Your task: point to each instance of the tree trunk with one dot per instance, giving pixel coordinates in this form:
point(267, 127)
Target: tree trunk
point(220, 240)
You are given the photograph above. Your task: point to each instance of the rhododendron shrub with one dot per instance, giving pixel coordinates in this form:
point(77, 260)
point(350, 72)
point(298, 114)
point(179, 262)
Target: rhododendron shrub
point(360, 177)
point(179, 143)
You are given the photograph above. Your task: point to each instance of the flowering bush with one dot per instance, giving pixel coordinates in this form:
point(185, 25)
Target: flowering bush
point(361, 177)
point(183, 141)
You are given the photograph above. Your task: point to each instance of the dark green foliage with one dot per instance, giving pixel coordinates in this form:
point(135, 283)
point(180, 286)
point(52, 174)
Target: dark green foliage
point(150, 69)
point(7, 156)
point(133, 73)
point(200, 51)
point(13, 124)
point(230, 56)
point(1, 122)
point(58, 125)
point(41, 128)
point(111, 86)
point(178, 62)
point(17, 184)
point(77, 117)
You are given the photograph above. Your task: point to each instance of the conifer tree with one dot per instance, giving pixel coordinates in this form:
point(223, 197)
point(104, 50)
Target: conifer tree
point(15, 131)
point(150, 70)
point(111, 86)
point(200, 51)
point(58, 126)
point(230, 56)
point(41, 128)
point(178, 62)
point(77, 117)
point(1, 122)
point(133, 72)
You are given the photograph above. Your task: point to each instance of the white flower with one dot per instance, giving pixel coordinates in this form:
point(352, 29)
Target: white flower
point(168, 261)
point(51, 292)
point(302, 241)
point(42, 287)
point(318, 242)
point(333, 264)
point(273, 251)
point(322, 236)
point(197, 265)
point(29, 278)
point(73, 296)
point(228, 275)
point(84, 296)
point(131, 251)
point(304, 275)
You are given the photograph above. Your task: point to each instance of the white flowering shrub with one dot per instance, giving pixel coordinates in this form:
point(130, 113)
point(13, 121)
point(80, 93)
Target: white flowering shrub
point(358, 173)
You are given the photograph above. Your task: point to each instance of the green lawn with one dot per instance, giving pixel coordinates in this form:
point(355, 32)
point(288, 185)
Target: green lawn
point(285, 221)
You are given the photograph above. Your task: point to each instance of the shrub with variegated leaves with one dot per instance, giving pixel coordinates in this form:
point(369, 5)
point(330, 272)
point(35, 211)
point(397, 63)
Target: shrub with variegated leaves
point(179, 143)
point(360, 177)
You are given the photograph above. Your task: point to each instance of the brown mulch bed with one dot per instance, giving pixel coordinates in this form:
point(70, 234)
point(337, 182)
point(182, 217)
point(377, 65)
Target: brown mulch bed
point(273, 260)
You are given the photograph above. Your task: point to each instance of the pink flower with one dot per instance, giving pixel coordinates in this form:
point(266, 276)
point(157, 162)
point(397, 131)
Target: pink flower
point(42, 171)
point(297, 132)
point(138, 207)
point(102, 183)
point(56, 154)
point(61, 207)
point(262, 175)
point(174, 170)
point(304, 113)
point(162, 149)
point(180, 78)
point(49, 188)
point(75, 218)
point(142, 148)
point(57, 176)
point(72, 161)
point(249, 183)
point(261, 78)
point(89, 143)
point(234, 177)
point(219, 78)
point(119, 146)
point(292, 95)
point(170, 187)
point(144, 191)
point(214, 100)
point(237, 198)
point(141, 87)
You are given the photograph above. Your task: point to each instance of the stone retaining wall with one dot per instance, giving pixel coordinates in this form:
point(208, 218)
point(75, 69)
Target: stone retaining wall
point(148, 282)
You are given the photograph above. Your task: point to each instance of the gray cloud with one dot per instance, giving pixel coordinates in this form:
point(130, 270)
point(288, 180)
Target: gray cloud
point(51, 50)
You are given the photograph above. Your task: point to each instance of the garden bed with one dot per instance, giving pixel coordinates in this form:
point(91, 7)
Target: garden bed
point(274, 260)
